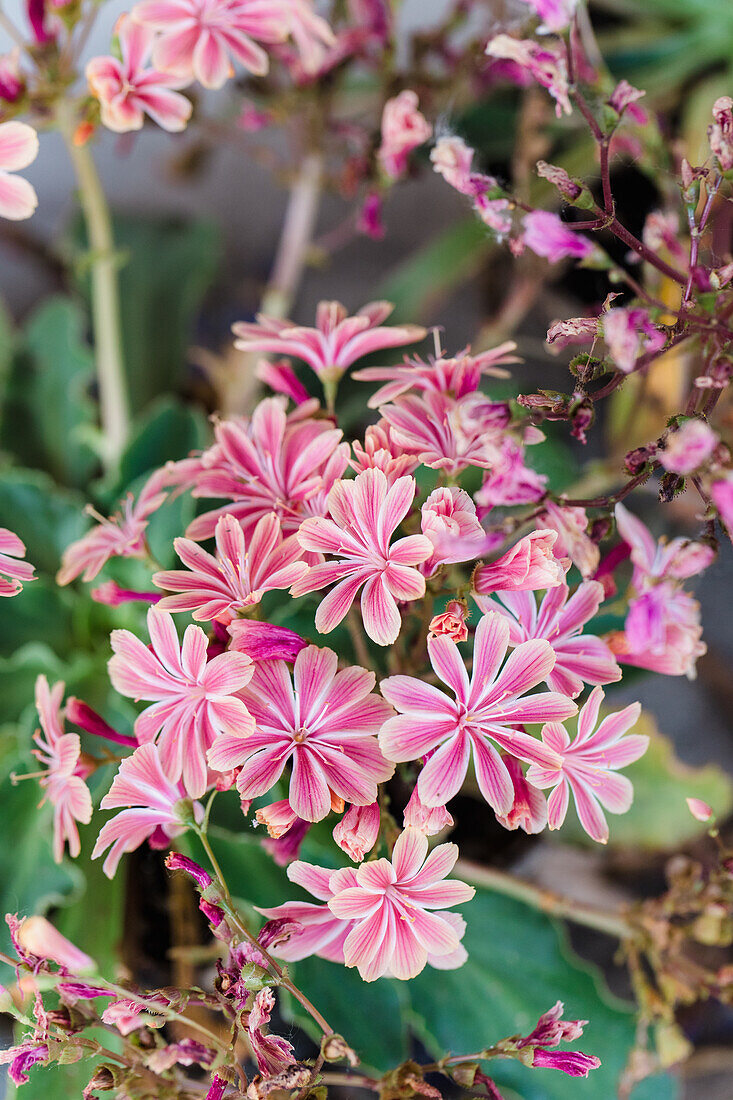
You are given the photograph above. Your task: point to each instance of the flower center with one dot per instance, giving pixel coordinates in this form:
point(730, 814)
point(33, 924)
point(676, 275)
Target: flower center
point(300, 735)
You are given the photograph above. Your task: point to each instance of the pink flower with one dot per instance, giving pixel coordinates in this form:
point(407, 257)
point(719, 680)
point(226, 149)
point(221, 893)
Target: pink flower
point(380, 452)
point(495, 213)
point(278, 818)
point(721, 492)
point(334, 344)
point(528, 565)
point(556, 15)
point(452, 159)
point(624, 98)
point(272, 1053)
point(38, 937)
point(654, 561)
point(63, 780)
point(18, 149)
point(370, 221)
point(452, 622)
point(454, 377)
point(529, 809)
point(689, 447)
point(358, 830)
point(449, 520)
point(544, 64)
point(365, 513)
point(588, 765)
point(318, 931)
point(197, 38)
point(448, 434)
point(571, 525)
point(487, 708)
point(551, 1030)
point(271, 463)
point(13, 573)
point(404, 128)
point(427, 819)
point(572, 1062)
point(194, 701)
point(628, 334)
point(510, 481)
point(393, 908)
point(265, 642)
point(321, 720)
point(720, 134)
point(151, 801)
point(127, 90)
point(548, 236)
point(662, 632)
point(120, 536)
point(580, 658)
point(240, 574)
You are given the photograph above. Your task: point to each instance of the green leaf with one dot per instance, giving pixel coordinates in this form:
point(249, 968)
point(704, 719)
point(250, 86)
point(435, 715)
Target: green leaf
point(168, 265)
point(80, 672)
point(168, 430)
point(659, 817)
point(518, 967)
point(41, 610)
point(46, 517)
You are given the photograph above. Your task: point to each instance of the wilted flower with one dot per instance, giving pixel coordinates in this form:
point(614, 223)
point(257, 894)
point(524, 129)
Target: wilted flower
point(404, 128)
point(720, 134)
point(448, 518)
point(588, 766)
point(629, 334)
point(573, 541)
point(556, 15)
point(127, 90)
point(18, 149)
point(452, 159)
point(38, 936)
point(272, 1053)
point(544, 64)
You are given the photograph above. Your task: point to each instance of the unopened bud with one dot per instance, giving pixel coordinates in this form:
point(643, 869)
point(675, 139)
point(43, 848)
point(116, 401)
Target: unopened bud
point(334, 1048)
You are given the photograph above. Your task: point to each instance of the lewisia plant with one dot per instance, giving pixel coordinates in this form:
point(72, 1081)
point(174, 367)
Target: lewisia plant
point(373, 618)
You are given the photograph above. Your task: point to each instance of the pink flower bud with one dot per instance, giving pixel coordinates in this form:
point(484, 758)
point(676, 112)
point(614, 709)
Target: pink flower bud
point(369, 222)
point(530, 564)
point(572, 1062)
point(110, 594)
point(277, 817)
point(699, 809)
point(357, 831)
point(82, 715)
point(529, 809)
point(452, 622)
point(281, 378)
point(624, 97)
point(429, 820)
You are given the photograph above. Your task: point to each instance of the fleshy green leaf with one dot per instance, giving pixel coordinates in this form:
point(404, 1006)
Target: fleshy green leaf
point(46, 517)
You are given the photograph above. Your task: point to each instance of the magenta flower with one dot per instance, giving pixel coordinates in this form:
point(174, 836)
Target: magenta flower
point(265, 642)
point(120, 536)
point(63, 780)
point(194, 701)
point(392, 906)
point(404, 128)
point(240, 574)
point(454, 377)
point(448, 434)
point(544, 64)
point(552, 238)
point(629, 333)
point(653, 561)
point(13, 573)
point(19, 1059)
point(321, 720)
point(18, 149)
point(721, 492)
point(150, 801)
point(528, 565)
point(334, 344)
point(550, 1031)
point(127, 90)
point(365, 513)
point(580, 658)
point(587, 766)
point(485, 709)
point(271, 463)
point(662, 632)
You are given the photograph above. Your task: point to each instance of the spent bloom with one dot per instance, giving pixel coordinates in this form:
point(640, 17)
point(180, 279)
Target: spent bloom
point(364, 515)
point(392, 905)
point(334, 344)
point(358, 830)
point(452, 159)
point(404, 128)
point(63, 779)
point(547, 235)
point(273, 462)
point(544, 63)
point(272, 1053)
point(556, 15)
point(240, 574)
point(580, 658)
point(322, 721)
point(18, 149)
point(120, 536)
point(127, 89)
point(194, 699)
point(528, 565)
point(720, 134)
point(149, 801)
point(689, 447)
point(485, 709)
point(550, 1031)
point(588, 766)
point(629, 333)
point(13, 572)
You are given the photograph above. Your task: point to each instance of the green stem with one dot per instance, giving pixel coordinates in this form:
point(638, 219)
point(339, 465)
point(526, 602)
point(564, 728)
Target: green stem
point(547, 901)
point(113, 402)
